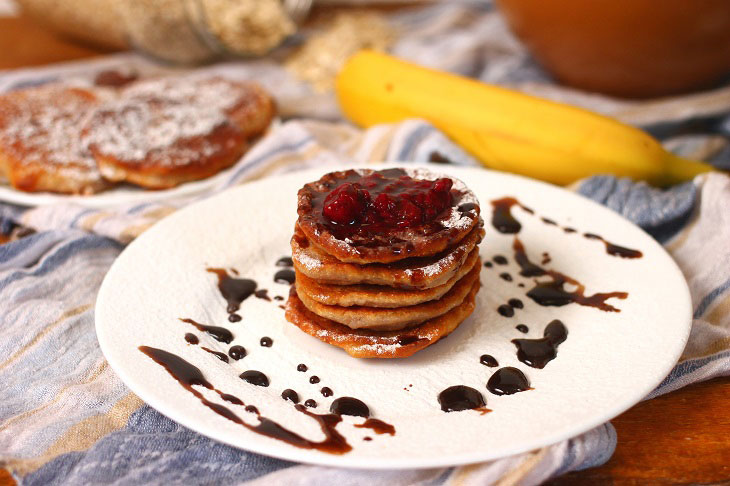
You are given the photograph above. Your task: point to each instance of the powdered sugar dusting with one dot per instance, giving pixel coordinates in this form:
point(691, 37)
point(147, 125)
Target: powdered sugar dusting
point(153, 117)
point(44, 125)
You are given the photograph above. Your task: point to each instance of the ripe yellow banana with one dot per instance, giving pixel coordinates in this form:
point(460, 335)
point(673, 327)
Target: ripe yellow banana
point(506, 130)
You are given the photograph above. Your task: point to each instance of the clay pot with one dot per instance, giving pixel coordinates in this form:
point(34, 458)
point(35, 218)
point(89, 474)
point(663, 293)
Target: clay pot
point(628, 48)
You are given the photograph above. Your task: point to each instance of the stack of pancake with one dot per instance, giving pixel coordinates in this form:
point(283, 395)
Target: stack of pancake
point(155, 133)
point(384, 291)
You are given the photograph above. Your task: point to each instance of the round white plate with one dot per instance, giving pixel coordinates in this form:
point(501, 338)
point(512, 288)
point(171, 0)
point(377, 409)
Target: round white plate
point(609, 361)
point(118, 195)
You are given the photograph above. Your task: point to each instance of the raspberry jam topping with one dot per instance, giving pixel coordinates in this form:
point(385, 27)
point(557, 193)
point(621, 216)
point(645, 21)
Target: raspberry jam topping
point(386, 200)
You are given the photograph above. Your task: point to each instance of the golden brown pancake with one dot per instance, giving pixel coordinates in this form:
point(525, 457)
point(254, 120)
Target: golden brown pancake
point(40, 140)
point(411, 273)
point(394, 243)
point(378, 295)
point(390, 319)
point(162, 132)
point(363, 343)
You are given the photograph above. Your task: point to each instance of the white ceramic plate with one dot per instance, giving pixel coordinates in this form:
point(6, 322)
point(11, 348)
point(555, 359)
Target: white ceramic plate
point(609, 362)
point(121, 194)
point(118, 195)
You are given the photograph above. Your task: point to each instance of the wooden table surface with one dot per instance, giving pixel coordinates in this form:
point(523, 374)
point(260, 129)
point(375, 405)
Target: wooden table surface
point(680, 438)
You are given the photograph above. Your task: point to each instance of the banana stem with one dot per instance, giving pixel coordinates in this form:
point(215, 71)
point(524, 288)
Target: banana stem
point(679, 169)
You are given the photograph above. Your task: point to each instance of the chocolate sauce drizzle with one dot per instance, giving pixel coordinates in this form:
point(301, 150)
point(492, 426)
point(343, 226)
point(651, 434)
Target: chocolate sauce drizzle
point(507, 381)
point(614, 249)
point(377, 426)
point(191, 338)
point(188, 376)
point(539, 352)
point(266, 342)
point(504, 221)
point(220, 334)
point(217, 354)
point(502, 218)
point(234, 290)
point(553, 293)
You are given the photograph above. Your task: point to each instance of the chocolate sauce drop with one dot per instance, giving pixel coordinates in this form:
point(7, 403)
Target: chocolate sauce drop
point(279, 298)
point(314, 379)
point(326, 391)
point(188, 376)
point(349, 406)
point(522, 328)
point(500, 260)
point(488, 360)
point(284, 261)
point(310, 403)
point(515, 303)
point(488, 264)
point(506, 310)
point(191, 338)
point(255, 378)
point(505, 276)
point(285, 277)
point(548, 221)
point(231, 399)
point(569, 230)
point(220, 356)
point(234, 318)
point(502, 218)
point(302, 367)
point(237, 352)
point(290, 395)
point(539, 352)
point(220, 334)
point(377, 426)
point(266, 342)
point(521, 285)
point(262, 294)
point(507, 381)
point(460, 397)
point(367, 439)
point(233, 290)
point(614, 249)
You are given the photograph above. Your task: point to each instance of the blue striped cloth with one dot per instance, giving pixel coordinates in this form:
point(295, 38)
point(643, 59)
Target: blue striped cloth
point(65, 418)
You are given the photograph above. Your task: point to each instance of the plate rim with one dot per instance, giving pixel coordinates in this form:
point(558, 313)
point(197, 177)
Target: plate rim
point(352, 462)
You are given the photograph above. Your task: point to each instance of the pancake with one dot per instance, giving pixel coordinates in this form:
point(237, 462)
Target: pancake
point(40, 140)
point(378, 295)
point(380, 242)
point(411, 273)
point(390, 319)
point(163, 132)
point(363, 343)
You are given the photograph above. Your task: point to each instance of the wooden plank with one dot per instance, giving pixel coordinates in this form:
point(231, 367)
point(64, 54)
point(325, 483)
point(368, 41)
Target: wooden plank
point(679, 438)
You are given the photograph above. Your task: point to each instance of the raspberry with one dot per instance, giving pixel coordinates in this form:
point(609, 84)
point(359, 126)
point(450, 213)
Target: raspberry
point(346, 204)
